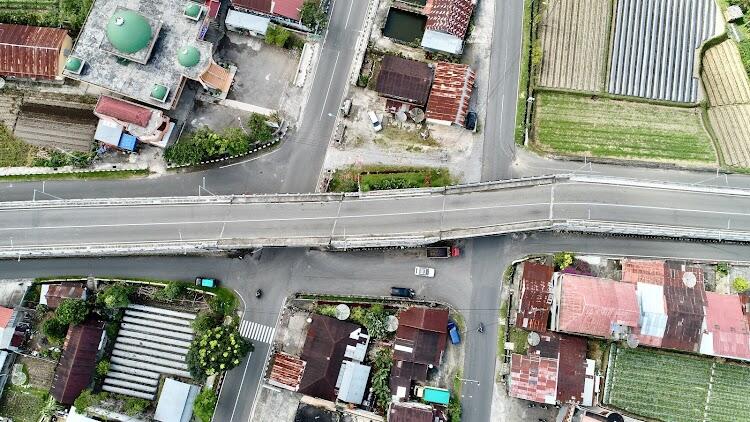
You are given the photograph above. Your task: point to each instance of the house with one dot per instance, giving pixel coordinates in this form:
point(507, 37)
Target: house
point(247, 23)
point(121, 120)
point(286, 371)
point(403, 374)
point(352, 382)
point(596, 307)
point(324, 355)
point(284, 12)
point(450, 94)
point(652, 314)
point(421, 335)
point(404, 80)
point(536, 297)
point(176, 401)
point(725, 328)
point(447, 23)
point(33, 52)
point(146, 50)
point(410, 412)
point(52, 295)
point(554, 371)
point(78, 361)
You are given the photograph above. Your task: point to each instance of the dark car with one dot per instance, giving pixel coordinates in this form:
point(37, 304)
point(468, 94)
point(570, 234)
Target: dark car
point(471, 121)
point(403, 292)
point(453, 332)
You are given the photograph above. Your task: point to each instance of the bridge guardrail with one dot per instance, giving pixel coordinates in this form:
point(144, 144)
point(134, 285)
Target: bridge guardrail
point(656, 184)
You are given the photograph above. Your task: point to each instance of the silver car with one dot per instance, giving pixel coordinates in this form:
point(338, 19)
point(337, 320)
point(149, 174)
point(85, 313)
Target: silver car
point(424, 271)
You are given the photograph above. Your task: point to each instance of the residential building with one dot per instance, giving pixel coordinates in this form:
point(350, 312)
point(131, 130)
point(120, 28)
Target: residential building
point(284, 12)
point(554, 371)
point(76, 367)
point(447, 23)
point(33, 52)
point(421, 335)
point(725, 328)
point(410, 412)
point(147, 50)
point(52, 295)
point(247, 23)
point(535, 297)
point(286, 371)
point(450, 94)
point(404, 80)
point(596, 307)
point(352, 381)
point(176, 401)
point(8, 322)
point(403, 375)
point(122, 121)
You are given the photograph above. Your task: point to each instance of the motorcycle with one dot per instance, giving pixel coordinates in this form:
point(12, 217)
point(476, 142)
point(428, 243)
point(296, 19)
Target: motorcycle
point(480, 329)
point(258, 293)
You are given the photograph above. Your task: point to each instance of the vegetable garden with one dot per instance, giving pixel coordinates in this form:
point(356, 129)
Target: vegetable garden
point(675, 387)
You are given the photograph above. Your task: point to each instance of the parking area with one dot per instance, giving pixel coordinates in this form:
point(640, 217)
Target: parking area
point(263, 72)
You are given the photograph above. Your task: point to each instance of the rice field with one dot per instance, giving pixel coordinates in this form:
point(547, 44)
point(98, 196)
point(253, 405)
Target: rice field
point(674, 387)
point(579, 125)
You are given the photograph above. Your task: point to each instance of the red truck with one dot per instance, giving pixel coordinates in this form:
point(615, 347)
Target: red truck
point(443, 251)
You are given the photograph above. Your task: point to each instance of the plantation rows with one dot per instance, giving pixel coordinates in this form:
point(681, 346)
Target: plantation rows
point(724, 76)
point(574, 40)
point(28, 4)
point(675, 387)
point(730, 124)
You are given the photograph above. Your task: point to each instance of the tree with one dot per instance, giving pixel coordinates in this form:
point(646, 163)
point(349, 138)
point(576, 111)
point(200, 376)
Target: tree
point(87, 398)
point(171, 291)
point(381, 376)
point(258, 128)
point(276, 35)
point(51, 406)
point(223, 303)
point(312, 15)
point(454, 409)
point(740, 284)
point(206, 320)
point(54, 330)
point(72, 311)
point(216, 350)
point(116, 296)
point(563, 260)
point(204, 405)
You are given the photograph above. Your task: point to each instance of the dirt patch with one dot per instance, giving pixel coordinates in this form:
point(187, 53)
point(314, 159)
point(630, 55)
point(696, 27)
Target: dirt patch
point(41, 371)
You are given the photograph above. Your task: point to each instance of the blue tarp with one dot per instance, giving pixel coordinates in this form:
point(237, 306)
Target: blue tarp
point(127, 142)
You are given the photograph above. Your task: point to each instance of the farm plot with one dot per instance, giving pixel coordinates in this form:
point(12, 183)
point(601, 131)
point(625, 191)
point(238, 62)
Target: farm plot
point(574, 40)
point(580, 125)
point(674, 387)
point(724, 76)
point(654, 47)
point(731, 124)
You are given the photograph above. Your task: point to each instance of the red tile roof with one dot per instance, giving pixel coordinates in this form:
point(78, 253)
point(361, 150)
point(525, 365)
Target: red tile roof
point(6, 315)
point(122, 110)
point(78, 361)
point(727, 325)
point(451, 92)
point(288, 8)
point(263, 6)
point(533, 378)
point(449, 16)
point(591, 305)
point(30, 51)
point(404, 80)
point(286, 371)
point(533, 312)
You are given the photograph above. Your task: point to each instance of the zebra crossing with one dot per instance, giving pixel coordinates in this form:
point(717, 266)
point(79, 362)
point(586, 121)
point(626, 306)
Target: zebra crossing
point(259, 332)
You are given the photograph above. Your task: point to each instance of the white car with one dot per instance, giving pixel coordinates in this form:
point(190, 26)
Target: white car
point(376, 126)
point(424, 271)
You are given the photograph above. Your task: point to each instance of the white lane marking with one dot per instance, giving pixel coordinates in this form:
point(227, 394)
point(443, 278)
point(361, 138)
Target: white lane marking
point(351, 4)
point(328, 91)
point(258, 332)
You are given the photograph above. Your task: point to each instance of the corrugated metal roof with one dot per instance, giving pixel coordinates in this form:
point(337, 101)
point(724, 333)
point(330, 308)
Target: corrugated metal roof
point(288, 8)
point(30, 51)
point(533, 310)
point(727, 326)
point(643, 270)
point(405, 80)
point(6, 314)
point(74, 371)
point(65, 290)
point(440, 41)
point(176, 401)
point(427, 319)
point(533, 378)
point(247, 21)
point(450, 93)
point(286, 371)
point(353, 380)
point(653, 315)
point(685, 311)
point(449, 16)
point(123, 111)
point(263, 6)
point(410, 412)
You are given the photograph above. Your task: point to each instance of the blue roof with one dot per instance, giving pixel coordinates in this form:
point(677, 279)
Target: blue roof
point(246, 21)
point(127, 142)
point(436, 395)
point(440, 41)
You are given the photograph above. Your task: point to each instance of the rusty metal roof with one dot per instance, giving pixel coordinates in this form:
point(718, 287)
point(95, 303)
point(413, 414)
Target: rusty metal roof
point(65, 290)
point(727, 326)
point(286, 371)
point(263, 6)
point(76, 366)
point(404, 80)
point(451, 92)
point(533, 378)
point(449, 16)
point(534, 307)
point(30, 51)
point(124, 111)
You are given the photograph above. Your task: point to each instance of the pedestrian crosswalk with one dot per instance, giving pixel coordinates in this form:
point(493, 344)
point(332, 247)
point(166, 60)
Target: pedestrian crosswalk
point(259, 332)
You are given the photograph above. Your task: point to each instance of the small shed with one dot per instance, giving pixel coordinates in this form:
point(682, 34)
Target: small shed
point(352, 381)
point(176, 401)
point(247, 23)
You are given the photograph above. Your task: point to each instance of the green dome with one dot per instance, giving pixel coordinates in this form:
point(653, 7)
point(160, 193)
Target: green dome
point(72, 64)
point(128, 31)
point(194, 10)
point(159, 92)
point(189, 56)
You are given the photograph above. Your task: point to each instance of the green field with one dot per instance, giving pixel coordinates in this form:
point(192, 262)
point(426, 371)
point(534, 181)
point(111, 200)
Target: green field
point(367, 178)
point(69, 14)
point(577, 125)
point(674, 387)
point(22, 404)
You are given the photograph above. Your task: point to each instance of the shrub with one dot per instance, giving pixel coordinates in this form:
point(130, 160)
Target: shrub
point(563, 260)
point(373, 318)
point(87, 398)
point(205, 144)
point(54, 330)
point(381, 375)
point(327, 310)
point(277, 35)
point(740, 284)
point(206, 320)
point(116, 296)
point(171, 291)
point(102, 368)
point(258, 128)
point(722, 269)
point(224, 303)
point(216, 350)
point(72, 311)
point(135, 406)
point(454, 409)
point(204, 405)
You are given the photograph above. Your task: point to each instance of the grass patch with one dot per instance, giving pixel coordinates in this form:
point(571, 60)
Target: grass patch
point(397, 135)
point(519, 338)
point(458, 318)
point(91, 175)
point(523, 80)
point(13, 151)
point(579, 125)
point(22, 404)
point(501, 328)
point(386, 177)
point(674, 387)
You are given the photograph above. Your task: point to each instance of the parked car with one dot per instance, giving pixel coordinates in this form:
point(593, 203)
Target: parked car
point(453, 332)
point(346, 107)
point(471, 121)
point(376, 126)
point(403, 292)
point(206, 282)
point(424, 271)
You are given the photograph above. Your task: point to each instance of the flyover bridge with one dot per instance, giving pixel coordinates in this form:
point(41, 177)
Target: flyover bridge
point(149, 226)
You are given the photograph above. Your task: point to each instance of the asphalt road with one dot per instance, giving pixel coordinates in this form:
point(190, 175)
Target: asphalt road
point(471, 283)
